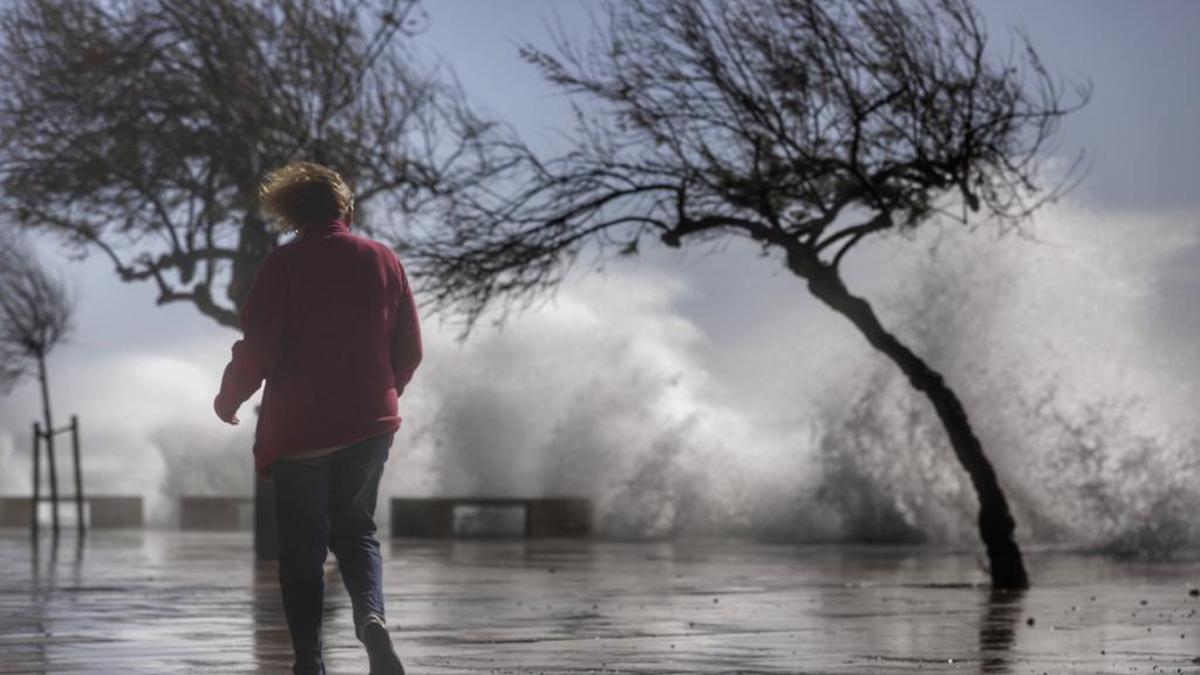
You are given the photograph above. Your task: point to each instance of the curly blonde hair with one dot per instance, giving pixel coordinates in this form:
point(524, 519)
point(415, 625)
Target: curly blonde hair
point(302, 194)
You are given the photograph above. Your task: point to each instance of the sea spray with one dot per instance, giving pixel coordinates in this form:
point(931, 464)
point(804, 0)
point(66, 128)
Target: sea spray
point(1079, 403)
point(601, 394)
point(717, 398)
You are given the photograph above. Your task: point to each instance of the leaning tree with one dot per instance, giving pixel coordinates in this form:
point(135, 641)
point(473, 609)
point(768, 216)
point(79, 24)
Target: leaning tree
point(807, 127)
point(35, 317)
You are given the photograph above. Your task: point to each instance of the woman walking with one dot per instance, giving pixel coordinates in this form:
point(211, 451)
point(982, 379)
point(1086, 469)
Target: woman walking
point(331, 326)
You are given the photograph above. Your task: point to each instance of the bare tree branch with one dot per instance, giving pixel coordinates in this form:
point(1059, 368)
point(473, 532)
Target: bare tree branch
point(142, 129)
point(798, 123)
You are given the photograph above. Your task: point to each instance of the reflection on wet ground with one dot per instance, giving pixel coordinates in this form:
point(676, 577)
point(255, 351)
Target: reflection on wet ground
point(161, 601)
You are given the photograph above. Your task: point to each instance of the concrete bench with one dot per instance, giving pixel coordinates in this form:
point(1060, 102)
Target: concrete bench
point(115, 511)
point(16, 511)
point(100, 511)
point(443, 517)
point(216, 513)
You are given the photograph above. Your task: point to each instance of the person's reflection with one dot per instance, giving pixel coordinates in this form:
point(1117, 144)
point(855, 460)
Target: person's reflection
point(998, 629)
point(272, 643)
point(272, 646)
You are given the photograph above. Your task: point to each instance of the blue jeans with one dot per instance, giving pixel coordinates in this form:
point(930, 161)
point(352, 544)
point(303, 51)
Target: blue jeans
point(326, 504)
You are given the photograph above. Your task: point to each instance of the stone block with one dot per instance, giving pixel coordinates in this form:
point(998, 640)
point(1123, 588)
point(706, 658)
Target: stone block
point(114, 511)
point(216, 513)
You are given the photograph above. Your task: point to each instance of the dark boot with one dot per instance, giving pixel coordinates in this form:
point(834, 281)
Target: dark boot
point(384, 660)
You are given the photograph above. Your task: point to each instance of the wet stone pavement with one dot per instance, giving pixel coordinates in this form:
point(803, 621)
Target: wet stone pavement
point(165, 602)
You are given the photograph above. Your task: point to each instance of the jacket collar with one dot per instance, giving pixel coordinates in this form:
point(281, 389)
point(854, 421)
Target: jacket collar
point(332, 227)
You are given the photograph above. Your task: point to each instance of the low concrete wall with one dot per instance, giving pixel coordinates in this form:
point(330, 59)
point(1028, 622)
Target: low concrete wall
point(216, 513)
point(101, 511)
point(558, 518)
point(116, 511)
point(435, 516)
point(16, 511)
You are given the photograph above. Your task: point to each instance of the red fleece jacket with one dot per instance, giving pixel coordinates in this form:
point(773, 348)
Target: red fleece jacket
point(331, 325)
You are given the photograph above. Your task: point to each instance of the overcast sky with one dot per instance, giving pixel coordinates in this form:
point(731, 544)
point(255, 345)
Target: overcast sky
point(142, 376)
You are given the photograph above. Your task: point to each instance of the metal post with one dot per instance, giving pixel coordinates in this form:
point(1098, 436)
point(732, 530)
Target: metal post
point(49, 419)
point(37, 475)
point(78, 474)
point(53, 482)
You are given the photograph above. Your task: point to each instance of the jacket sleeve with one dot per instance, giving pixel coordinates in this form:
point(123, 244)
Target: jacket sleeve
point(406, 336)
point(255, 355)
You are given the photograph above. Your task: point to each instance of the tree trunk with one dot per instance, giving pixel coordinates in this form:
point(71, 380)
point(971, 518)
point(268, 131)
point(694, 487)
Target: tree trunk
point(37, 478)
point(996, 524)
point(254, 243)
point(50, 461)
